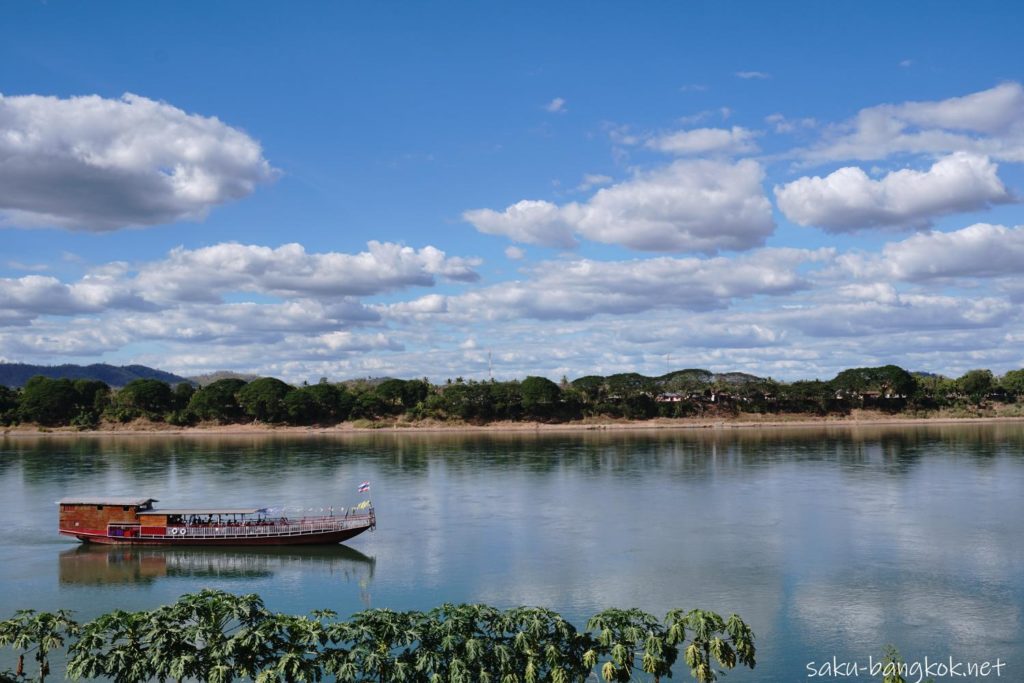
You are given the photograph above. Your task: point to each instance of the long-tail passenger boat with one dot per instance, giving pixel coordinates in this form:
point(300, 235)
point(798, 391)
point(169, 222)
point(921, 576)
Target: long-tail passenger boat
point(135, 521)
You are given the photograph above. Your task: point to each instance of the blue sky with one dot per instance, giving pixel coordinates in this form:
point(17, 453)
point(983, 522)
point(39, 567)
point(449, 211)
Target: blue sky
point(353, 189)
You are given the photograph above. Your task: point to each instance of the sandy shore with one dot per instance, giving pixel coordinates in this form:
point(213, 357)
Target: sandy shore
point(855, 419)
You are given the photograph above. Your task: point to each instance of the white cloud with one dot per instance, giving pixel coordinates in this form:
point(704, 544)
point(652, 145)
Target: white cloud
point(30, 267)
point(514, 253)
point(188, 290)
point(44, 295)
point(207, 273)
point(699, 206)
point(977, 251)
point(580, 289)
point(705, 141)
point(556, 106)
point(988, 122)
point(347, 341)
point(529, 221)
point(849, 200)
point(592, 180)
point(693, 119)
point(784, 125)
point(753, 75)
point(98, 164)
point(908, 312)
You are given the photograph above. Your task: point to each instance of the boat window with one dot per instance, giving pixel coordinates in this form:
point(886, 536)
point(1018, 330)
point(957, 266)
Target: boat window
point(99, 507)
point(125, 508)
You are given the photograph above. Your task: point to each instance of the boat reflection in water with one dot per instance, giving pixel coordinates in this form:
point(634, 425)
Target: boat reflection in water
point(91, 565)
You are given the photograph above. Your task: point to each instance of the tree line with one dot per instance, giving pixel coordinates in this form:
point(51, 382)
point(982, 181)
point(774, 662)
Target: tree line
point(219, 637)
point(87, 403)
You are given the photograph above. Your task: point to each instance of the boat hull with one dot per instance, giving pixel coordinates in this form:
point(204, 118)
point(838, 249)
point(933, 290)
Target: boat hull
point(304, 531)
point(124, 521)
point(321, 538)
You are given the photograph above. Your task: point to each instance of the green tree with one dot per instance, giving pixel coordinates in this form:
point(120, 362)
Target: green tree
point(1013, 383)
point(218, 401)
point(935, 390)
point(38, 632)
point(8, 405)
point(320, 403)
point(540, 397)
point(144, 397)
point(218, 637)
point(892, 382)
point(183, 393)
point(591, 387)
point(807, 397)
point(263, 399)
point(402, 395)
point(93, 395)
point(301, 407)
point(976, 385)
point(379, 645)
point(368, 405)
point(506, 399)
point(689, 381)
point(47, 401)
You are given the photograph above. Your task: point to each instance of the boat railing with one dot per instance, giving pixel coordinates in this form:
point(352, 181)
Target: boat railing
point(268, 528)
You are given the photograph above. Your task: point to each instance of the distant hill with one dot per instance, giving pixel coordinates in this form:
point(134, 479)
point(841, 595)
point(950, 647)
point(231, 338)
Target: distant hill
point(211, 377)
point(16, 374)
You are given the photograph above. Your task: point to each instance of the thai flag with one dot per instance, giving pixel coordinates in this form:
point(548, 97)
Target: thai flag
point(364, 487)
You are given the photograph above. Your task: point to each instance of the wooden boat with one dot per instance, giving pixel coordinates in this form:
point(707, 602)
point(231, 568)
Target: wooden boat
point(135, 521)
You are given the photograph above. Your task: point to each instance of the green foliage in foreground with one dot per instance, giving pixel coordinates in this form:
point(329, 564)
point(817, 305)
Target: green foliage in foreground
point(220, 637)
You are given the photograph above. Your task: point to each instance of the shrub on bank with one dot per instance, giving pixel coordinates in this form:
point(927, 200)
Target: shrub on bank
point(220, 637)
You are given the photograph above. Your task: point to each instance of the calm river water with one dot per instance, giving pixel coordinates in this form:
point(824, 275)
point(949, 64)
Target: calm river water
point(828, 542)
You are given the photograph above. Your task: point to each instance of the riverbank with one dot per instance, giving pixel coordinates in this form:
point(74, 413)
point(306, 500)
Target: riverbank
point(857, 418)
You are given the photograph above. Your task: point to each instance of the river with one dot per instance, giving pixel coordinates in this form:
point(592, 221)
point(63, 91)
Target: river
point(829, 542)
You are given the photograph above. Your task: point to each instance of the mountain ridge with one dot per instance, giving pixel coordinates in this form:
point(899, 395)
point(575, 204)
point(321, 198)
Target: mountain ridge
point(16, 374)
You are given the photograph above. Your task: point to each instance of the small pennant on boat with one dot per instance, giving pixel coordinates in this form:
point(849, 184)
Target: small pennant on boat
point(364, 487)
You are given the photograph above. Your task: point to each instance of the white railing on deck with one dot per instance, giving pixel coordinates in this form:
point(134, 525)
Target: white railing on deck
point(300, 527)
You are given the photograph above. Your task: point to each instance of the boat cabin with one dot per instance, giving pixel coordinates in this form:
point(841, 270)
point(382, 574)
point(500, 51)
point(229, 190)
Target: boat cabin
point(203, 517)
point(106, 516)
point(134, 517)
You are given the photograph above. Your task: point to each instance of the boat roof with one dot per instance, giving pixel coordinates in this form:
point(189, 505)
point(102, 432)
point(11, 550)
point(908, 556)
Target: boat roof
point(112, 500)
point(204, 511)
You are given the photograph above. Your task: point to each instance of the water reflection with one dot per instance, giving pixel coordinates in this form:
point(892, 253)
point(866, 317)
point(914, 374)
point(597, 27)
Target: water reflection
point(829, 540)
point(91, 565)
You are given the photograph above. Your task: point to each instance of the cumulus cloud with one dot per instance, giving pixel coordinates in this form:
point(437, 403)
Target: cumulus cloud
point(99, 164)
point(977, 251)
point(699, 206)
point(735, 140)
point(753, 75)
point(45, 295)
point(988, 122)
point(529, 221)
point(289, 270)
point(849, 200)
point(906, 312)
point(183, 296)
point(583, 288)
point(514, 253)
